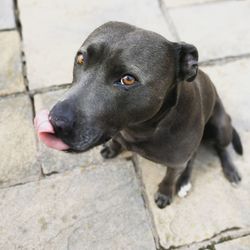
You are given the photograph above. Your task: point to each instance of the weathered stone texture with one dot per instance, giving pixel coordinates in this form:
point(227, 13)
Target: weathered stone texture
point(218, 29)
point(11, 78)
point(97, 209)
point(237, 244)
point(17, 138)
point(54, 30)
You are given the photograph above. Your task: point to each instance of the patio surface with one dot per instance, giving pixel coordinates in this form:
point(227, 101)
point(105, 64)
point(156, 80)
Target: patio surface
point(53, 200)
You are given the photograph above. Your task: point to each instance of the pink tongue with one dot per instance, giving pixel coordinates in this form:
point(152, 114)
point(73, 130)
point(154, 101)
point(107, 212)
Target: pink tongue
point(46, 132)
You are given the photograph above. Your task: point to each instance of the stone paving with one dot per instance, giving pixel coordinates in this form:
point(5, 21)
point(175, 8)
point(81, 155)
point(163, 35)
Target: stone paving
point(11, 77)
point(54, 200)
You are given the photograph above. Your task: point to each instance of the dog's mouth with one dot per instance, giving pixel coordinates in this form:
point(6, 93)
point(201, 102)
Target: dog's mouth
point(46, 132)
point(49, 137)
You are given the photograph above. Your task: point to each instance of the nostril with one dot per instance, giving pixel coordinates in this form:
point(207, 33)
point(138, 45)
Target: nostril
point(61, 125)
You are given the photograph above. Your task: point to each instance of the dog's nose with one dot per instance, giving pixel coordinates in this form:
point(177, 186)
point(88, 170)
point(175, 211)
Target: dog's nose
point(62, 117)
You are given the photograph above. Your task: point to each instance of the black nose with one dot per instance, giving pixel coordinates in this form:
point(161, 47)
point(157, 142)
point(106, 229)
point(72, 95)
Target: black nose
point(62, 117)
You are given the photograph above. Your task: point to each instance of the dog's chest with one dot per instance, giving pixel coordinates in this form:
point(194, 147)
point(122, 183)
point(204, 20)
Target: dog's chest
point(165, 146)
point(175, 138)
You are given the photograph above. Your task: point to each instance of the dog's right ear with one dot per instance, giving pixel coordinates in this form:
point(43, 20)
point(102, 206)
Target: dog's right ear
point(187, 61)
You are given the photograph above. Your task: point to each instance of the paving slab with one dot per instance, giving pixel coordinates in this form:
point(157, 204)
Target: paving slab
point(99, 209)
point(18, 162)
point(11, 78)
point(237, 244)
point(218, 29)
point(7, 18)
point(232, 82)
point(53, 160)
point(213, 205)
point(54, 30)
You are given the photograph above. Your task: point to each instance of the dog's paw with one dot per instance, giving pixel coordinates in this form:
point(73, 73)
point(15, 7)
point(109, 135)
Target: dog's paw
point(162, 200)
point(108, 152)
point(232, 175)
point(183, 191)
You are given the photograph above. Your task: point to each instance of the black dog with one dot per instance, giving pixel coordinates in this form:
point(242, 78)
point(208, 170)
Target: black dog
point(147, 95)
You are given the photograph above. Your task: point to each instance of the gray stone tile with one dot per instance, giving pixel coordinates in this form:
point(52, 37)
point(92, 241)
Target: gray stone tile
point(18, 145)
point(11, 78)
point(232, 83)
point(213, 204)
point(99, 209)
point(54, 30)
point(7, 18)
point(56, 161)
point(238, 244)
point(218, 30)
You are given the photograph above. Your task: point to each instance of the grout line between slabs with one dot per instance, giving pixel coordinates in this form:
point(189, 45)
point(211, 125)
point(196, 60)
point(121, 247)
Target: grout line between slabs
point(146, 201)
point(50, 88)
point(41, 178)
point(24, 73)
point(224, 60)
point(223, 236)
point(219, 238)
point(7, 29)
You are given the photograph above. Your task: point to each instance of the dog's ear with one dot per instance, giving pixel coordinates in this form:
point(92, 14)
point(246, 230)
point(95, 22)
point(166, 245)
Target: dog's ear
point(187, 62)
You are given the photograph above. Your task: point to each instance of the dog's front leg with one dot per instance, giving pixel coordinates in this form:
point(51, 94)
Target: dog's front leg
point(111, 149)
point(166, 190)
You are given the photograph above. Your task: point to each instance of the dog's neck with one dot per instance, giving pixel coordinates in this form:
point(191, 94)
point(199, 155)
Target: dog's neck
point(168, 103)
point(145, 129)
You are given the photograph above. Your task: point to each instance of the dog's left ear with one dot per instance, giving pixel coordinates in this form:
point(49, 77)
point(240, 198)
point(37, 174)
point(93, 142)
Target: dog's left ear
point(187, 62)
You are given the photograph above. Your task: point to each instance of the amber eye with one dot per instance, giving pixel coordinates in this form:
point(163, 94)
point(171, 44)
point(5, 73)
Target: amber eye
point(128, 80)
point(80, 59)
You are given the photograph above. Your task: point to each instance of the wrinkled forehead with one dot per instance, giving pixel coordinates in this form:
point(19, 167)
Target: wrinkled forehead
point(129, 39)
point(134, 47)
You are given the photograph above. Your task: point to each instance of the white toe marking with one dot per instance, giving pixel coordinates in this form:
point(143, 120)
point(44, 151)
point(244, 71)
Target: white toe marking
point(184, 190)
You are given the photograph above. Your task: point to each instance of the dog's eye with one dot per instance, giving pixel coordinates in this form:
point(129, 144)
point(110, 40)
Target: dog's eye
point(128, 80)
point(80, 59)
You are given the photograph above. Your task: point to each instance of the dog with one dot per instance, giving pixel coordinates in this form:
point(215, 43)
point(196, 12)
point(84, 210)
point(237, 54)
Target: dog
point(134, 90)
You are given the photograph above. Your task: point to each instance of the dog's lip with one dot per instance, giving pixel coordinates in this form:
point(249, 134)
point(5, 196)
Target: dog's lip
point(98, 140)
point(46, 131)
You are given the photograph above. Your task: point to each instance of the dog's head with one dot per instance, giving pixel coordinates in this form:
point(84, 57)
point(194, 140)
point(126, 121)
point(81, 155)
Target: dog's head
point(121, 77)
